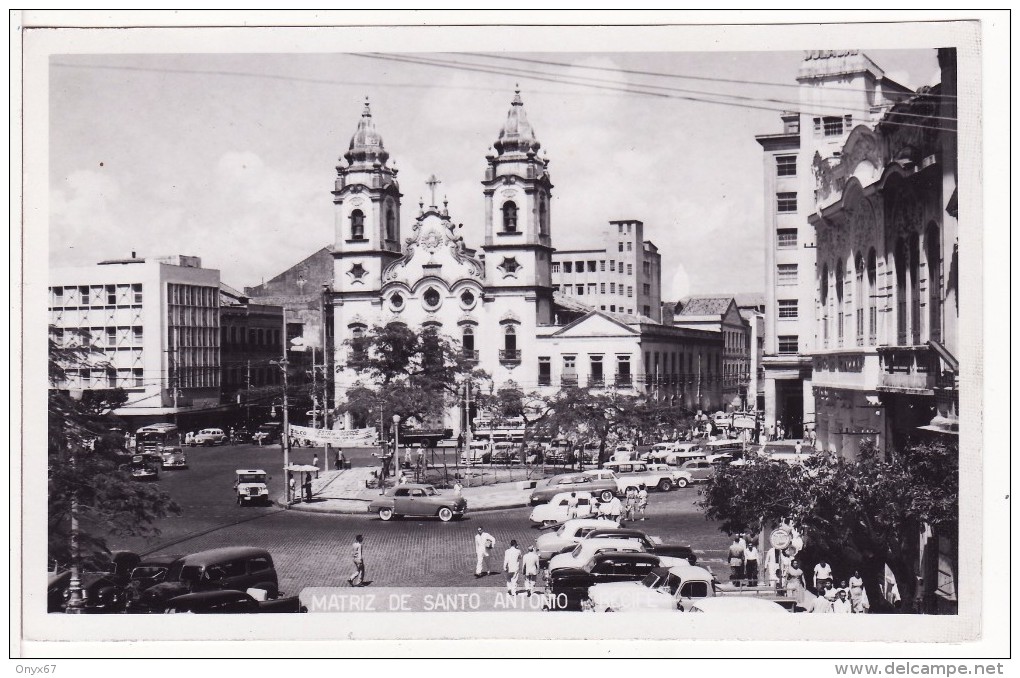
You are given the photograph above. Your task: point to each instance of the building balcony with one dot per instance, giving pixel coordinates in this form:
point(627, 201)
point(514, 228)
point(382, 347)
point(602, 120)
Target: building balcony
point(544, 380)
point(568, 380)
point(915, 368)
point(469, 355)
point(625, 380)
point(596, 382)
point(510, 356)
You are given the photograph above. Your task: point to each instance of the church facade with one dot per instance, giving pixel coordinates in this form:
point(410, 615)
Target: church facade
point(498, 301)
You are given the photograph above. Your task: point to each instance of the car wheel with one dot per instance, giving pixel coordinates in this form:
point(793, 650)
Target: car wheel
point(607, 496)
point(445, 514)
point(549, 523)
point(665, 485)
point(682, 482)
point(386, 514)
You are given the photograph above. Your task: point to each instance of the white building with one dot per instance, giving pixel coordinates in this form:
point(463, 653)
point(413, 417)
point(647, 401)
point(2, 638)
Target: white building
point(498, 300)
point(154, 326)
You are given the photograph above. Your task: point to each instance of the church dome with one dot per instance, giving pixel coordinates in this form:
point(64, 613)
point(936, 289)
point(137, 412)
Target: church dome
point(366, 144)
point(517, 135)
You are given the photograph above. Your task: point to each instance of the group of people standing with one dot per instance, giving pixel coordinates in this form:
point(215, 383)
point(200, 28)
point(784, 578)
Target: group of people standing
point(515, 562)
point(634, 506)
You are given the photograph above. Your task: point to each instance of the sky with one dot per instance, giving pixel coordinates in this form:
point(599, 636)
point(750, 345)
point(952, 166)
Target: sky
point(232, 157)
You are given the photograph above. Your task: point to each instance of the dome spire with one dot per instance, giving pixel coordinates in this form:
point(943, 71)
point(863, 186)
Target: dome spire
point(517, 135)
point(366, 144)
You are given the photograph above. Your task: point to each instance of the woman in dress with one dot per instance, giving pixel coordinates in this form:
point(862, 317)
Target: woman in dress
point(858, 597)
point(795, 581)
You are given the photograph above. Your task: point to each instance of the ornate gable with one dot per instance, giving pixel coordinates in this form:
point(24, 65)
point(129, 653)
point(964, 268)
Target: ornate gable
point(435, 250)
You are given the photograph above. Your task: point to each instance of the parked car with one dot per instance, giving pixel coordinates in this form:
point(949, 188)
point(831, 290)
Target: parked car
point(250, 486)
point(700, 470)
point(568, 534)
point(208, 437)
point(604, 474)
point(417, 500)
point(662, 589)
point(103, 585)
point(558, 452)
point(227, 568)
point(680, 478)
point(586, 549)
point(557, 510)
point(638, 472)
point(671, 554)
point(146, 466)
point(152, 570)
point(268, 433)
point(624, 452)
point(736, 606)
point(715, 448)
point(174, 458)
point(603, 488)
point(677, 454)
point(476, 453)
point(572, 583)
point(230, 602)
point(506, 453)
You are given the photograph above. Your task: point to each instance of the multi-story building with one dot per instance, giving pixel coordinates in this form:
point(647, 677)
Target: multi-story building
point(251, 338)
point(499, 301)
point(623, 275)
point(721, 315)
point(886, 276)
point(839, 89)
point(154, 328)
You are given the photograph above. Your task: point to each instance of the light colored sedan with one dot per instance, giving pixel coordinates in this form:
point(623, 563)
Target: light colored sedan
point(209, 436)
point(570, 533)
point(558, 510)
point(587, 548)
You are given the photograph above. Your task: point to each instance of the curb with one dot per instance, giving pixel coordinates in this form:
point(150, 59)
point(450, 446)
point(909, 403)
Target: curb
point(364, 512)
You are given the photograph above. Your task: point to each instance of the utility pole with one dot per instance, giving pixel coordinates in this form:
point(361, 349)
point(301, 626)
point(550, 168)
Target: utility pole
point(247, 399)
point(325, 378)
point(75, 603)
point(286, 417)
point(315, 396)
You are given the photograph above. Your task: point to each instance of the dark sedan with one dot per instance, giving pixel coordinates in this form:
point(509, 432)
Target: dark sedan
point(571, 583)
point(650, 544)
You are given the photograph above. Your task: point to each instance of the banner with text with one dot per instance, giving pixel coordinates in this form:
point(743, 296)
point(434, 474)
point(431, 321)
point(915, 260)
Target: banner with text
point(346, 436)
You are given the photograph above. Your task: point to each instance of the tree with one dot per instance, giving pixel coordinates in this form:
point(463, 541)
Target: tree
point(862, 513)
point(84, 468)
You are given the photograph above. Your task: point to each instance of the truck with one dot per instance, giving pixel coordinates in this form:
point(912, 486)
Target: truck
point(636, 473)
point(423, 437)
point(673, 588)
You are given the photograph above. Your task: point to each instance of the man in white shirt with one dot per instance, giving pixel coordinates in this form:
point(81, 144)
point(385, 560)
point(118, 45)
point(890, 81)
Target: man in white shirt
point(531, 569)
point(512, 567)
point(841, 605)
point(615, 509)
point(572, 505)
point(823, 575)
point(483, 549)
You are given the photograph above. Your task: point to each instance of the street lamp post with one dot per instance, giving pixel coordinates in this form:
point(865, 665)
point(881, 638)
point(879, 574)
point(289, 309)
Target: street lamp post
point(396, 445)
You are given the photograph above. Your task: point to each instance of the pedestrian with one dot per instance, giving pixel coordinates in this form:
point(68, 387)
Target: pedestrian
point(615, 509)
point(458, 489)
point(841, 605)
point(821, 605)
point(823, 575)
point(407, 457)
point(736, 559)
point(337, 460)
point(642, 496)
point(189, 438)
point(308, 487)
point(631, 504)
point(572, 506)
point(858, 596)
point(293, 488)
point(358, 554)
point(315, 463)
point(421, 458)
point(483, 549)
point(531, 568)
point(798, 446)
point(512, 567)
point(605, 509)
point(795, 581)
point(829, 591)
point(751, 564)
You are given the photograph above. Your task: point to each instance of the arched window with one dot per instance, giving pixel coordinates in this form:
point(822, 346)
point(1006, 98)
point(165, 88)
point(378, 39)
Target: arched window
point(391, 224)
point(839, 301)
point(901, 261)
point(872, 297)
point(823, 297)
point(468, 340)
point(510, 339)
point(357, 225)
point(509, 217)
point(915, 289)
point(543, 215)
point(932, 254)
point(859, 301)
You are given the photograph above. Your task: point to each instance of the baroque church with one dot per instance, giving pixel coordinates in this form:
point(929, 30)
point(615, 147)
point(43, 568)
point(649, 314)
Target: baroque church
point(497, 301)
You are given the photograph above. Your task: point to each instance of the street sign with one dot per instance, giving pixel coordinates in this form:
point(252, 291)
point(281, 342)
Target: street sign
point(779, 539)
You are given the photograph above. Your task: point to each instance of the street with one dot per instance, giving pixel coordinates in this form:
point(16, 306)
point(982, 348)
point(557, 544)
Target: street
point(312, 549)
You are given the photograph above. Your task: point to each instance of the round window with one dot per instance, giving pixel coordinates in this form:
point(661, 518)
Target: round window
point(397, 301)
point(467, 298)
point(431, 297)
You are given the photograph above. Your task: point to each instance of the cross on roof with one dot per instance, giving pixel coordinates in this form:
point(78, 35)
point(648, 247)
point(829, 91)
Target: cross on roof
point(432, 182)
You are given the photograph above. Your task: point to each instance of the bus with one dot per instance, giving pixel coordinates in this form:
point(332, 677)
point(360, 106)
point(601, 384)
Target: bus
point(156, 438)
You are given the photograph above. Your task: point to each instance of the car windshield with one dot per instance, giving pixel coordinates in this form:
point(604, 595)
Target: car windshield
point(147, 572)
point(190, 573)
point(251, 478)
point(577, 550)
point(651, 580)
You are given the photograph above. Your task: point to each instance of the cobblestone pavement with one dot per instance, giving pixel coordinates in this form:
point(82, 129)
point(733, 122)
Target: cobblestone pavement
point(314, 550)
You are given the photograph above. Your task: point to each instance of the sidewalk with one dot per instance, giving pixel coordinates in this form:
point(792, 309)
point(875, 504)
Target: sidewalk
point(345, 492)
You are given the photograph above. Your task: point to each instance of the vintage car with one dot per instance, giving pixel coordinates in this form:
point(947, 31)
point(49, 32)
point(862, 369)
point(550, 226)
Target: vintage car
point(230, 602)
point(570, 585)
point(586, 549)
point(226, 568)
point(700, 470)
point(103, 585)
point(477, 453)
point(558, 508)
point(636, 473)
point(250, 486)
point(152, 570)
point(419, 501)
point(208, 437)
point(506, 453)
point(736, 606)
point(675, 454)
point(671, 554)
point(174, 457)
point(146, 466)
point(568, 534)
point(680, 478)
point(602, 488)
point(268, 433)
